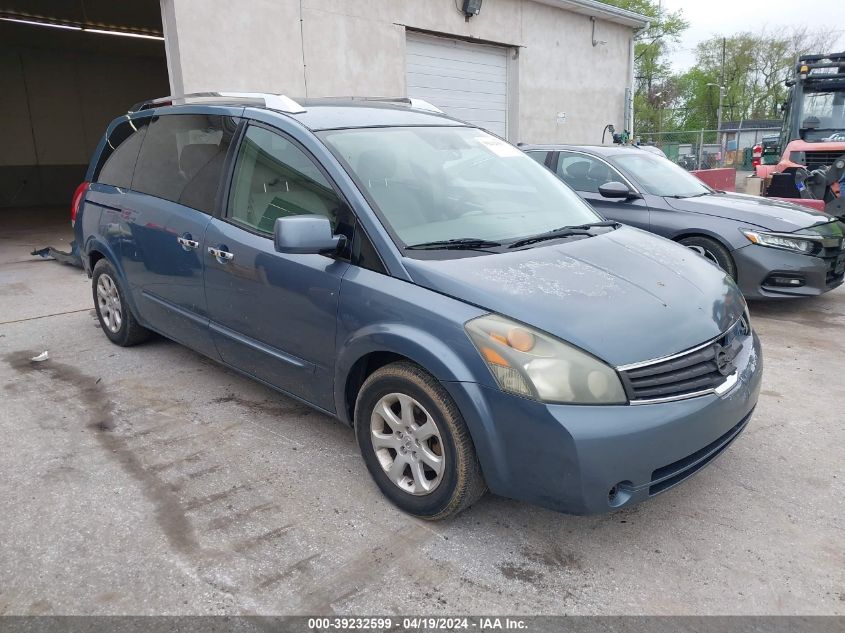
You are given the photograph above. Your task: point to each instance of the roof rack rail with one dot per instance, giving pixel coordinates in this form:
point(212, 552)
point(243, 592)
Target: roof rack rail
point(272, 101)
point(419, 104)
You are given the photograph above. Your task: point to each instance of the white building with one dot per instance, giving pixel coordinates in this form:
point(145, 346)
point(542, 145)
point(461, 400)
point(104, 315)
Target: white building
point(529, 70)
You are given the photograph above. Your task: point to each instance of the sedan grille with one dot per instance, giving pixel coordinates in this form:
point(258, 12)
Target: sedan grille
point(695, 372)
point(834, 257)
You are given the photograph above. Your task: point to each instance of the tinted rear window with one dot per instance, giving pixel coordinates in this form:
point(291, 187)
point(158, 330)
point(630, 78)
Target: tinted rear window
point(182, 158)
point(117, 161)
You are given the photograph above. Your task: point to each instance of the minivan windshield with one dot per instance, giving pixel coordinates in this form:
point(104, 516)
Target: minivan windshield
point(660, 176)
point(434, 184)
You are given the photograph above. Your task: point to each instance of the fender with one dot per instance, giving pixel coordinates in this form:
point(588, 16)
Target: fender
point(430, 352)
point(94, 243)
point(465, 382)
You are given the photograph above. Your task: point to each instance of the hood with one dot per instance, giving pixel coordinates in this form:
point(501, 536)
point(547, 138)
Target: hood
point(625, 296)
point(765, 213)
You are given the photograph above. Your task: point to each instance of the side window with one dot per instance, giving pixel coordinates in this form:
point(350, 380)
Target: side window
point(182, 158)
point(117, 162)
point(274, 178)
point(584, 173)
point(539, 156)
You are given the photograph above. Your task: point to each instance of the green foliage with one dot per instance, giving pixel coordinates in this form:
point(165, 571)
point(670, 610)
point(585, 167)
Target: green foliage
point(753, 73)
point(655, 85)
point(756, 64)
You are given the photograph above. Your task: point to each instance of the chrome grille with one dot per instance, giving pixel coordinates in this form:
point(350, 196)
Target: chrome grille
point(695, 372)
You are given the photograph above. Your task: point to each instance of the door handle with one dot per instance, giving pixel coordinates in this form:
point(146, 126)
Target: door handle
point(221, 255)
point(187, 243)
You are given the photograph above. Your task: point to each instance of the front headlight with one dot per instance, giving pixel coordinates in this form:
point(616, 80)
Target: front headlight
point(787, 242)
point(537, 365)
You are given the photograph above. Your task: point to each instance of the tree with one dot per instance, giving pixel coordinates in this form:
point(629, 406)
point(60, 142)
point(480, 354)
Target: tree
point(752, 67)
point(655, 87)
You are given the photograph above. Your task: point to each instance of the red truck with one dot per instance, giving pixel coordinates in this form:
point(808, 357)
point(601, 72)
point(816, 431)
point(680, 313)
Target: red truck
point(812, 163)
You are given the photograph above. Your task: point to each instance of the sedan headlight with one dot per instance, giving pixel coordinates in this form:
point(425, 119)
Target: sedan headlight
point(534, 364)
point(788, 242)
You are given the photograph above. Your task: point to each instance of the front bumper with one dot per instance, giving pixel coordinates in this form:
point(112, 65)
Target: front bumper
point(757, 266)
point(593, 459)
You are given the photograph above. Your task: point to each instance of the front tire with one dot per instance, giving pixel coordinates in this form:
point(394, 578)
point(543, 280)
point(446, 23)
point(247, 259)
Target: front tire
point(712, 251)
point(415, 443)
point(116, 318)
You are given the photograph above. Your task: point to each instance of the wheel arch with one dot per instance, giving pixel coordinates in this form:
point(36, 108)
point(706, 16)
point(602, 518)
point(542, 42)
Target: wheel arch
point(94, 251)
point(716, 238)
point(699, 232)
point(376, 346)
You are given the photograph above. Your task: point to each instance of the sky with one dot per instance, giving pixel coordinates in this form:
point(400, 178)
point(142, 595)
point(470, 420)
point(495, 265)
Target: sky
point(726, 17)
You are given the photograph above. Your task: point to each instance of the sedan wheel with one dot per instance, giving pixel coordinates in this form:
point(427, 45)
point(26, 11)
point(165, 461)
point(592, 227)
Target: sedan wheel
point(705, 253)
point(712, 251)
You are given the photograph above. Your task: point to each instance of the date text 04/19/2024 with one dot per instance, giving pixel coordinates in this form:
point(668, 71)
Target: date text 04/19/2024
point(420, 623)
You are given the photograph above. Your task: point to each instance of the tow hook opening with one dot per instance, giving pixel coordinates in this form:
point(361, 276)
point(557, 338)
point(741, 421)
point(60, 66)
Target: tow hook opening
point(619, 494)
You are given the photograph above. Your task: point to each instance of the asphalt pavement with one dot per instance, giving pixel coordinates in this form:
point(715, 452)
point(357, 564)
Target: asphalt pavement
point(151, 480)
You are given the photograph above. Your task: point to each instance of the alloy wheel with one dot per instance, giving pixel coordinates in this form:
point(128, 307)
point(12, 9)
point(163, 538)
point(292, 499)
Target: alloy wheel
point(108, 302)
point(706, 254)
point(407, 444)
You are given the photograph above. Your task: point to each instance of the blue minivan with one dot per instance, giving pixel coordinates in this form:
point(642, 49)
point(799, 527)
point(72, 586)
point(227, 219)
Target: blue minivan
point(427, 283)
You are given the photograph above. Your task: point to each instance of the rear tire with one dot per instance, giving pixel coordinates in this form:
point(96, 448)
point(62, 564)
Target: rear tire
point(116, 318)
point(416, 444)
point(712, 251)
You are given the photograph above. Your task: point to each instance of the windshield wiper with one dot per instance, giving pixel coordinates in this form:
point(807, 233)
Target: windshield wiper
point(564, 231)
point(695, 195)
point(461, 243)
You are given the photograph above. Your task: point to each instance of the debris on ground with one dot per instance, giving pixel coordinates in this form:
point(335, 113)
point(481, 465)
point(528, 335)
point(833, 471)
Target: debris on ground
point(41, 357)
point(71, 259)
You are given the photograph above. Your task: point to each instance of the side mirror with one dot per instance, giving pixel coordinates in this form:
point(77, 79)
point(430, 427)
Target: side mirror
point(306, 235)
point(616, 189)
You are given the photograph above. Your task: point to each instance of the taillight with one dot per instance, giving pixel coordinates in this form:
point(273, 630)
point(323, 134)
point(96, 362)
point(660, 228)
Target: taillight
point(77, 200)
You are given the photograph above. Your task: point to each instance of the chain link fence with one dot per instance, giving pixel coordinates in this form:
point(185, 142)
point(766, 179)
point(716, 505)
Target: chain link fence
point(708, 149)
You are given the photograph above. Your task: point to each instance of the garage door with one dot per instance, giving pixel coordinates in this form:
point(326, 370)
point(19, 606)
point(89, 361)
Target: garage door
point(466, 81)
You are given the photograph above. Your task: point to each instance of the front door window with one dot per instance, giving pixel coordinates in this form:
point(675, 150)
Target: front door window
point(273, 179)
point(584, 173)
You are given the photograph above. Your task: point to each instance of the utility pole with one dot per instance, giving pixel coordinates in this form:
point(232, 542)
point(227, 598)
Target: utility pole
point(719, 135)
point(718, 122)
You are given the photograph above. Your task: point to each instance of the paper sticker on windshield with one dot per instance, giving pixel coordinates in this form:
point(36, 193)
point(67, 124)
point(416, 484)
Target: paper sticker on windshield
point(498, 146)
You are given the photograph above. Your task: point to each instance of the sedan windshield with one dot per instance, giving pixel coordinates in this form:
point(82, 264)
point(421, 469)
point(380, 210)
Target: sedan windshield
point(433, 184)
point(660, 176)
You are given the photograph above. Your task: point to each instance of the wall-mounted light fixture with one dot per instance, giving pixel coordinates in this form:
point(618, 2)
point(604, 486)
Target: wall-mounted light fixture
point(471, 8)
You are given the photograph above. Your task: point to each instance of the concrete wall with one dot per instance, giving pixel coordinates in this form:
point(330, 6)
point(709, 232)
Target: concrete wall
point(58, 91)
point(357, 47)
